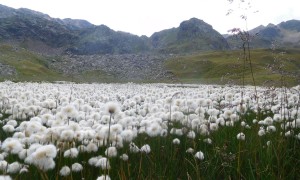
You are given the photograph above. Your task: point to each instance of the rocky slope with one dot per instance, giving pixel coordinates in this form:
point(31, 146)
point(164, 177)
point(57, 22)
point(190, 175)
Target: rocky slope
point(124, 67)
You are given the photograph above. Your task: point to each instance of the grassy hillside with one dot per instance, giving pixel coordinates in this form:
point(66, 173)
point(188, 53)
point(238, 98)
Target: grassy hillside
point(222, 67)
point(33, 67)
point(29, 66)
point(228, 67)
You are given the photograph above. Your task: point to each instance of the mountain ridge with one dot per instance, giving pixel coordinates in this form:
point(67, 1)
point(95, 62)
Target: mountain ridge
point(285, 34)
point(82, 37)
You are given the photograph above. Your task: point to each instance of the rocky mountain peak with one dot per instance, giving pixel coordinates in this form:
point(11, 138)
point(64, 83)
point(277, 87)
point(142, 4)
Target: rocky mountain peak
point(76, 24)
point(196, 24)
point(293, 25)
point(6, 11)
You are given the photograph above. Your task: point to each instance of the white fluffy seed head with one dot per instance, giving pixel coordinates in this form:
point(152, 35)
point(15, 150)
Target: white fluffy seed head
point(190, 150)
point(76, 167)
point(145, 149)
point(8, 128)
point(127, 135)
point(199, 155)
point(154, 129)
point(133, 148)
point(42, 157)
point(103, 163)
point(176, 141)
point(103, 177)
point(112, 107)
point(5, 177)
point(69, 111)
point(14, 167)
point(67, 135)
point(124, 157)
point(261, 132)
point(11, 145)
point(71, 153)
point(3, 165)
point(64, 171)
point(111, 152)
point(91, 147)
point(241, 136)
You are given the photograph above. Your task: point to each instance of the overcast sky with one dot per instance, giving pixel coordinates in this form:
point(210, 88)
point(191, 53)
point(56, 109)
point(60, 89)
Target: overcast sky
point(144, 17)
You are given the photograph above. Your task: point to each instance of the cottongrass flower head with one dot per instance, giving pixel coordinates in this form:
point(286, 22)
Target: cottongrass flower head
point(190, 150)
point(268, 121)
point(176, 141)
point(67, 135)
point(5, 177)
point(112, 107)
point(289, 133)
point(199, 155)
point(11, 145)
point(91, 147)
point(2, 156)
point(203, 130)
point(8, 128)
point(124, 157)
point(71, 153)
point(145, 149)
point(261, 131)
point(103, 177)
point(234, 117)
point(133, 148)
point(93, 160)
point(103, 163)
point(65, 171)
point(271, 128)
point(111, 152)
point(43, 157)
point(69, 111)
point(297, 136)
point(24, 169)
point(179, 132)
point(14, 167)
point(241, 136)
point(207, 140)
point(127, 135)
point(153, 129)
point(213, 126)
point(3, 165)
point(164, 133)
point(76, 167)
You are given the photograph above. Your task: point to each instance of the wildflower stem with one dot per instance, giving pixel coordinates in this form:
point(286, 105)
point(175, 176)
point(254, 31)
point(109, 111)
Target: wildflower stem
point(239, 161)
point(140, 166)
point(107, 145)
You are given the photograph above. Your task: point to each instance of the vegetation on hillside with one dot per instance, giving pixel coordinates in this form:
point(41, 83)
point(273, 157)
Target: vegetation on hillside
point(226, 67)
point(30, 66)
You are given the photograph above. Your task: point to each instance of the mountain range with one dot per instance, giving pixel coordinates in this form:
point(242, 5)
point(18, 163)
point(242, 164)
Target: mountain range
point(70, 42)
point(36, 30)
point(83, 38)
point(285, 34)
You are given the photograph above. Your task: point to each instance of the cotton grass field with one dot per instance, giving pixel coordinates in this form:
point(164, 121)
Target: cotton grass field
point(148, 131)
